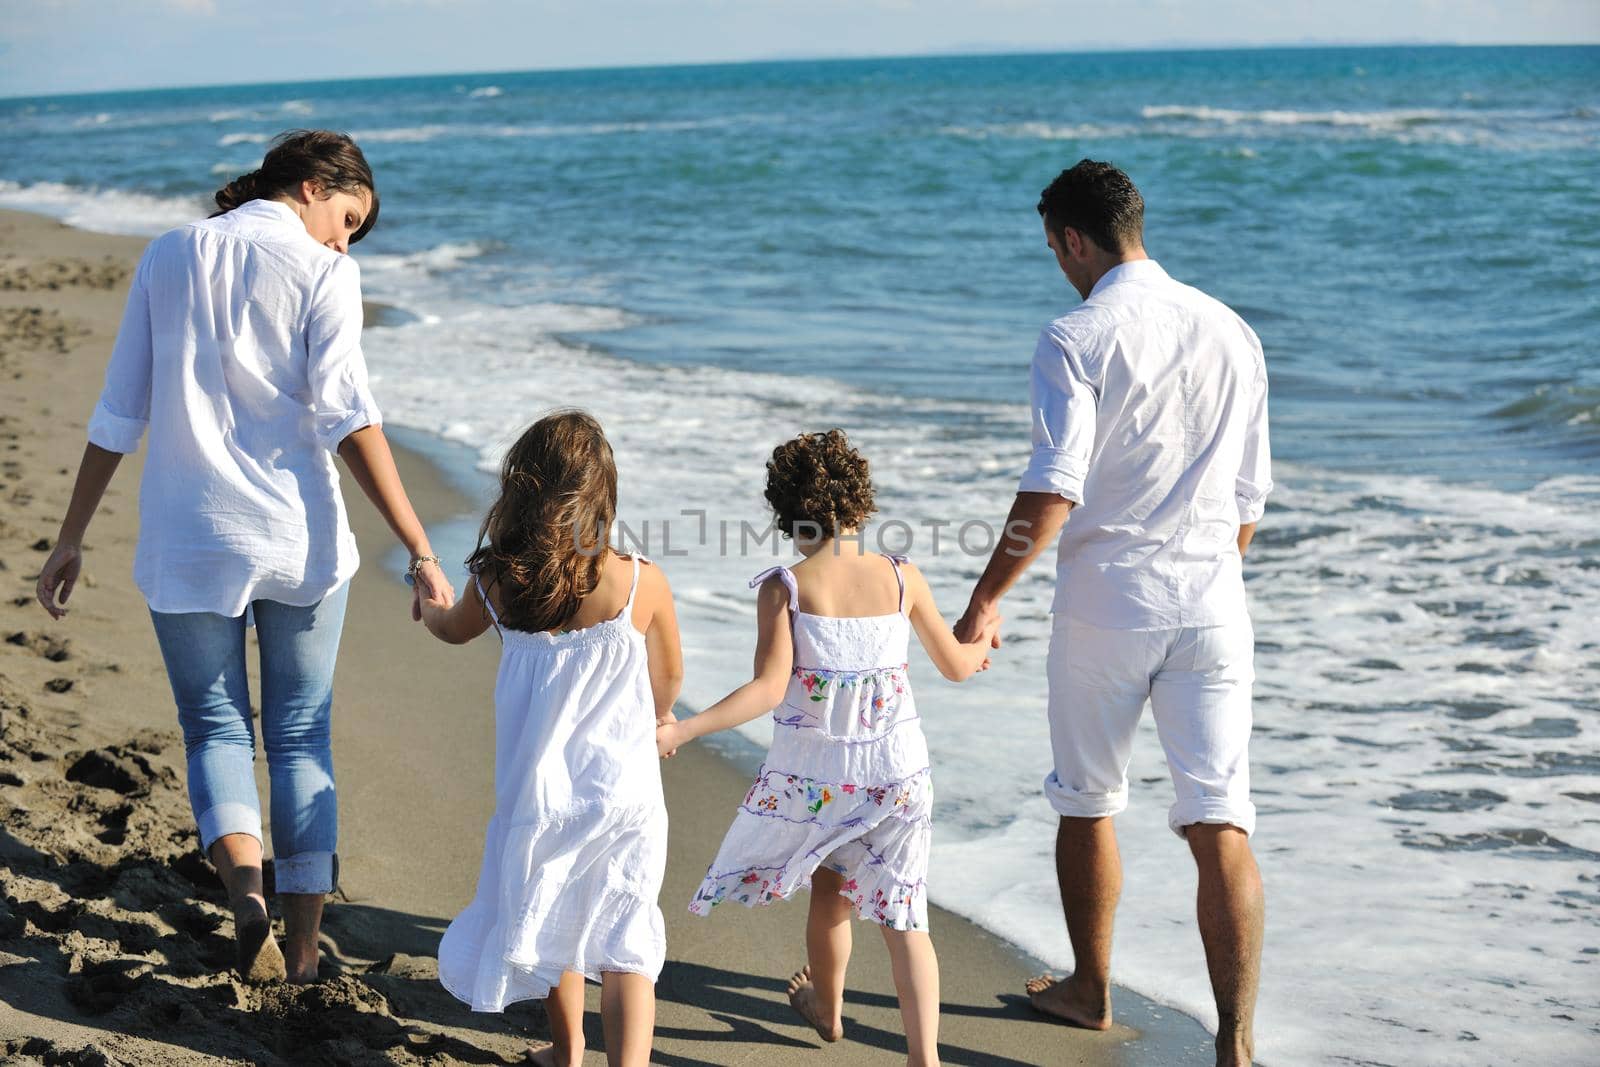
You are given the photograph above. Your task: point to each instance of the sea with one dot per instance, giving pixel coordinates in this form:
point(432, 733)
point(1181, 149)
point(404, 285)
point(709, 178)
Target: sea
point(714, 258)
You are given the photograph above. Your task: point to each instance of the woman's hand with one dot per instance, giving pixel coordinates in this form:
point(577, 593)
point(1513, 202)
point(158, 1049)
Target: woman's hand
point(59, 575)
point(429, 583)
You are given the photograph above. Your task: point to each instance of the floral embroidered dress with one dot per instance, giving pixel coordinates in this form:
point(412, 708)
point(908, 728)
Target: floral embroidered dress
point(845, 784)
point(576, 850)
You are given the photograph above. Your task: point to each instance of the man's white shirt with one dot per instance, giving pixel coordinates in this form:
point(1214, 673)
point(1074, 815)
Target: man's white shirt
point(1150, 414)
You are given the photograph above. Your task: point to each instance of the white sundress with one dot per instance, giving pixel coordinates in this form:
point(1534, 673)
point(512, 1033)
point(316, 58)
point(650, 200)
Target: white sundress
point(846, 784)
point(576, 850)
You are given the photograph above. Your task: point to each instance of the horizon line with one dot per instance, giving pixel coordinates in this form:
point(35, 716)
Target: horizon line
point(956, 52)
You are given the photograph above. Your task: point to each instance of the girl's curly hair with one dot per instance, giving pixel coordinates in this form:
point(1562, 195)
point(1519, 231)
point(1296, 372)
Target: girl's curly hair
point(819, 484)
point(544, 540)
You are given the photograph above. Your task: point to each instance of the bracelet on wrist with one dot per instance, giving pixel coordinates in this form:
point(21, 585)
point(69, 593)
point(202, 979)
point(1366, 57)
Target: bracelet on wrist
point(416, 564)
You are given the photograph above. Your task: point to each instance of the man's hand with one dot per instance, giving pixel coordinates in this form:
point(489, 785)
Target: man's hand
point(981, 619)
point(979, 616)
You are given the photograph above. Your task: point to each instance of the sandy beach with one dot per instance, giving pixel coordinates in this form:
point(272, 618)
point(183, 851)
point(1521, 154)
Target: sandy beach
point(114, 937)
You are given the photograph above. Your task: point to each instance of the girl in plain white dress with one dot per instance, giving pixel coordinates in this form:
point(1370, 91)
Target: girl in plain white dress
point(844, 800)
point(575, 852)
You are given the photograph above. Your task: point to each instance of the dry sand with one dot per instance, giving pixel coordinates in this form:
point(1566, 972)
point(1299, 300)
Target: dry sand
point(114, 939)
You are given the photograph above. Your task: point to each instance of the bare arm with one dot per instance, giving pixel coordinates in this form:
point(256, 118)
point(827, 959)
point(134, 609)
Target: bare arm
point(1247, 533)
point(456, 623)
point(955, 660)
point(770, 678)
point(60, 571)
point(662, 641)
point(1034, 522)
point(366, 453)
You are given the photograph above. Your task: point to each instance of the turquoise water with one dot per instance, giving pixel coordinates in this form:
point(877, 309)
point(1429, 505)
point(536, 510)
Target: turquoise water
point(712, 258)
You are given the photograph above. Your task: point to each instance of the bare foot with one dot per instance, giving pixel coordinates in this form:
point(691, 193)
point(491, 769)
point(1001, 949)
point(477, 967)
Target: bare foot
point(1061, 999)
point(546, 1056)
point(259, 958)
point(803, 999)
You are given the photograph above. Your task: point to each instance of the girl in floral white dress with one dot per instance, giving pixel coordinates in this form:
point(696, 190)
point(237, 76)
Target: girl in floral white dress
point(842, 803)
point(575, 853)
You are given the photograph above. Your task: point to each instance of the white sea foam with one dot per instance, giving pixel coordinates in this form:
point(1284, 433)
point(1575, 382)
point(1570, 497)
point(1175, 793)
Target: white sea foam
point(1396, 119)
point(1417, 642)
point(486, 92)
point(229, 139)
point(296, 107)
point(103, 210)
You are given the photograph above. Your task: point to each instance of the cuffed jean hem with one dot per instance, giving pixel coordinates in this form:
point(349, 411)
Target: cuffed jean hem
point(306, 872)
point(1072, 804)
point(1217, 812)
point(229, 817)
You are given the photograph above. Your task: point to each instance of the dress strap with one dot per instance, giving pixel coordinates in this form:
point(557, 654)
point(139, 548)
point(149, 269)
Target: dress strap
point(900, 578)
point(788, 580)
point(627, 610)
point(487, 604)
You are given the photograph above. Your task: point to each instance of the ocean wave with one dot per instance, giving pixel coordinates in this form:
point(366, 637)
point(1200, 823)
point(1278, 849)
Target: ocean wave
point(103, 210)
point(486, 92)
point(1497, 129)
point(435, 260)
point(436, 131)
point(1398, 119)
point(227, 140)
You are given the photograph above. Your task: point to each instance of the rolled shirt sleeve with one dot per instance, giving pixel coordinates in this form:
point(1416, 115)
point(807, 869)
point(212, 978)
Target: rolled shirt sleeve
point(123, 411)
point(1255, 467)
point(1065, 407)
point(336, 370)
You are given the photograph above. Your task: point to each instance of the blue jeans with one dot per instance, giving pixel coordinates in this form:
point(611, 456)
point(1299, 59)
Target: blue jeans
point(205, 657)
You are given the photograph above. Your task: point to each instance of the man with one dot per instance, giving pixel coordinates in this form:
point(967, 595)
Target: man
point(1150, 426)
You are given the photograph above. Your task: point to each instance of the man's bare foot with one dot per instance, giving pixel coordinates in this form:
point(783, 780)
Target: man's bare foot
point(259, 958)
point(1061, 999)
point(803, 999)
point(547, 1055)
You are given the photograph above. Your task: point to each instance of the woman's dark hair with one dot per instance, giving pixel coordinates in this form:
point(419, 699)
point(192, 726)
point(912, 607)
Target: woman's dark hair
point(330, 159)
point(544, 540)
point(1097, 200)
point(817, 480)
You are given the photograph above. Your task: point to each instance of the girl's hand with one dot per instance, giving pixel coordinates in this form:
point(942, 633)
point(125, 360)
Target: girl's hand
point(669, 735)
point(59, 575)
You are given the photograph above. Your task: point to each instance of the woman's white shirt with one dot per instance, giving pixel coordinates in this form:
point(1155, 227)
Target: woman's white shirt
point(240, 350)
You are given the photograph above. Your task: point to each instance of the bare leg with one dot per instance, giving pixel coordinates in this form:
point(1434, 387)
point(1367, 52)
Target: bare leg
point(816, 991)
point(1089, 871)
point(302, 921)
point(1231, 907)
point(237, 858)
point(564, 1008)
point(628, 1016)
point(916, 980)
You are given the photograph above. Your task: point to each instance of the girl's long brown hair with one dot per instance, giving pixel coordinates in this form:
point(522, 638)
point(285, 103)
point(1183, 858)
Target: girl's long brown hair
point(544, 540)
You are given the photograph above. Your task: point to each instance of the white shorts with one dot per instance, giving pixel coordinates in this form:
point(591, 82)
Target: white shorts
point(1198, 683)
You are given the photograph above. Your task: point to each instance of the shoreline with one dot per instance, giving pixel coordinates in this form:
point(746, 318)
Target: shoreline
point(405, 763)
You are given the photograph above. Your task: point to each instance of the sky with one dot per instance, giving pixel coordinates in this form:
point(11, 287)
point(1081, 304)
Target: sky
point(64, 46)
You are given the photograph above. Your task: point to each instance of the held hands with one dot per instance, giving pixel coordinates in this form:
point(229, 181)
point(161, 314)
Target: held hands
point(59, 575)
point(669, 735)
point(430, 585)
point(980, 625)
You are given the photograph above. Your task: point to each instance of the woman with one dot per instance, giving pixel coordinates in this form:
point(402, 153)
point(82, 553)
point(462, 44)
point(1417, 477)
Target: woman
point(240, 350)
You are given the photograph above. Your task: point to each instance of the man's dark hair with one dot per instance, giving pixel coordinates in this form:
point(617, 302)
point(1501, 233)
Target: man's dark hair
point(1097, 200)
